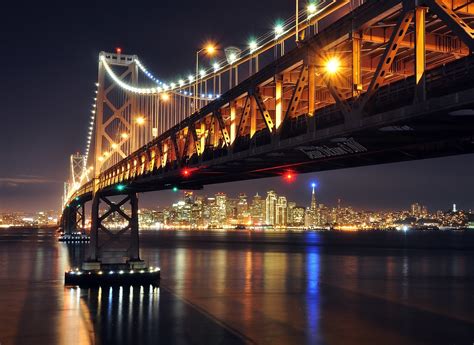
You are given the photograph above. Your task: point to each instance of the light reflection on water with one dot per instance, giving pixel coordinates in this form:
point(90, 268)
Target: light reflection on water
point(243, 288)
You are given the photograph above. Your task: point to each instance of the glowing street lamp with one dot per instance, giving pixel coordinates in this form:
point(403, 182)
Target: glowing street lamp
point(278, 30)
point(210, 49)
point(311, 9)
point(253, 45)
point(165, 97)
point(140, 120)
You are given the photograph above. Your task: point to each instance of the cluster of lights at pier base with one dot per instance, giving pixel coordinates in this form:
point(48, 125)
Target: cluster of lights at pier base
point(78, 272)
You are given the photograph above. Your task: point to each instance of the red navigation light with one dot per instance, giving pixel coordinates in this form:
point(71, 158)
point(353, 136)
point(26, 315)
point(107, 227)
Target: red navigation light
point(118, 50)
point(186, 172)
point(289, 176)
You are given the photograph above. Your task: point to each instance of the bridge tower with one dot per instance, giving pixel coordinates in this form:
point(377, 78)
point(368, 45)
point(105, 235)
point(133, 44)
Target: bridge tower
point(116, 134)
point(74, 216)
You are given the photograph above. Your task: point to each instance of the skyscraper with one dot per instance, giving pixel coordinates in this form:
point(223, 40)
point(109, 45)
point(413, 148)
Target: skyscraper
point(221, 200)
point(311, 212)
point(270, 207)
point(257, 210)
point(281, 214)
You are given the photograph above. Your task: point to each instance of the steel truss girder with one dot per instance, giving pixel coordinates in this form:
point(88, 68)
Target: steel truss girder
point(225, 134)
point(263, 111)
point(297, 92)
point(330, 39)
point(453, 21)
point(244, 117)
point(388, 56)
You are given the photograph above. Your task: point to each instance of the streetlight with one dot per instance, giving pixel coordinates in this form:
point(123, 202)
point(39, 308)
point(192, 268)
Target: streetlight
point(210, 49)
point(278, 29)
point(140, 120)
point(311, 9)
point(165, 97)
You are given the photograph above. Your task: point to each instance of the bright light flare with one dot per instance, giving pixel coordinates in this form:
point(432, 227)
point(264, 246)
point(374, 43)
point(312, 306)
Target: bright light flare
point(210, 49)
point(165, 97)
point(333, 65)
point(278, 29)
point(289, 176)
point(186, 172)
point(124, 135)
point(140, 120)
point(253, 45)
point(311, 8)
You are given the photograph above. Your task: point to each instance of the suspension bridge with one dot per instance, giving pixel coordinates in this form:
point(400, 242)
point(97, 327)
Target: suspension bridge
point(340, 84)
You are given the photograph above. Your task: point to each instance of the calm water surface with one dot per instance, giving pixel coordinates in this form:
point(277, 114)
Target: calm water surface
point(242, 288)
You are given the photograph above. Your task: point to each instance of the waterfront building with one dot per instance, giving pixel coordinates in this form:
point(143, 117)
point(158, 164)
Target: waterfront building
point(281, 207)
point(270, 207)
point(257, 210)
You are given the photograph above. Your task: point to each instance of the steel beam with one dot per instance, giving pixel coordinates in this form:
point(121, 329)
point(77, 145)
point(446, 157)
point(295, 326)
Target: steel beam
point(420, 54)
point(453, 21)
point(311, 89)
point(278, 100)
point(387, 57)
point(263, 111)
point(217, 114)
point(356, 64)
point(233, 126)
point(245, 117)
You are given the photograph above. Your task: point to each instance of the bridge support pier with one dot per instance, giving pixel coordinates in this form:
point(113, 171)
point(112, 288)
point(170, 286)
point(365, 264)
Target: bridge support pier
point(74, 224)
point(105, 243)
point(114, 257)
point(74, 220)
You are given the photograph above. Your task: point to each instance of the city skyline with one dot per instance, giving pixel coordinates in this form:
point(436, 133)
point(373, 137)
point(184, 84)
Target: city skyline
point(53, 124)
point(268, 210)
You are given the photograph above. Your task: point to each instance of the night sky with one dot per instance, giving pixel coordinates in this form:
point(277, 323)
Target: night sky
point(49, 58)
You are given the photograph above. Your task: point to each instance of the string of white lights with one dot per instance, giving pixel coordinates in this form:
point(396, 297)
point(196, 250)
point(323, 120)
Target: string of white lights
point(90, 130)
point(280, 29)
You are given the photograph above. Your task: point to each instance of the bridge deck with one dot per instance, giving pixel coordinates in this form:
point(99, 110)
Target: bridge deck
point(250, 133)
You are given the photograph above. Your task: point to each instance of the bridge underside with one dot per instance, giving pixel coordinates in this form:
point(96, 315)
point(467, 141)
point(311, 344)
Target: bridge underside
point(439, 127)
point(406, 94)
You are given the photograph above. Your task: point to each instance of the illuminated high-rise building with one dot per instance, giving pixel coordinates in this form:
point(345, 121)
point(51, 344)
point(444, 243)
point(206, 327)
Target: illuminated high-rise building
point(257, 210)
point(242, 209)
point(270, 207)
point(312, 211)
point(281, 211)
point(188, 197)
point(221, 202)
